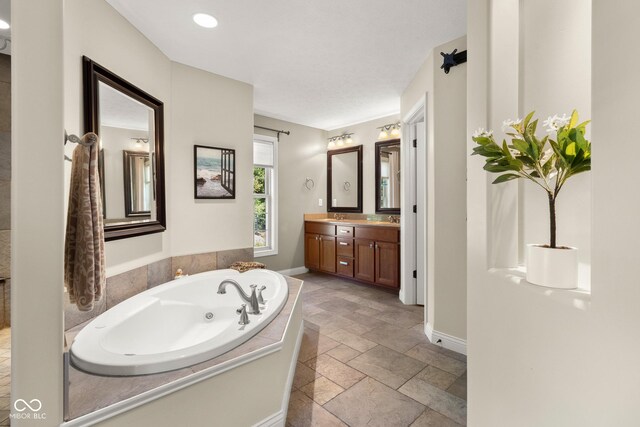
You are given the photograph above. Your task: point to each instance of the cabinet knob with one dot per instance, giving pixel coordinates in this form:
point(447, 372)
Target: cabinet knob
point(371, 245)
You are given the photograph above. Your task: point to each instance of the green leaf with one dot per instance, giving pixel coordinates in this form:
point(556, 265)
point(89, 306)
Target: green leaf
point(505, 178)
point(574, 119)
point(528, 119)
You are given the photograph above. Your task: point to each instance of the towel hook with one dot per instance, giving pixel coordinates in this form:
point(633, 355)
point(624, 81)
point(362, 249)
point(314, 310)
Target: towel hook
point(87, 140)
point(347, 186)
point(309, 184)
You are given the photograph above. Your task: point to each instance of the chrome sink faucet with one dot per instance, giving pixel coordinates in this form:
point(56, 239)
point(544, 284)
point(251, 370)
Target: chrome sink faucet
point(254, 306)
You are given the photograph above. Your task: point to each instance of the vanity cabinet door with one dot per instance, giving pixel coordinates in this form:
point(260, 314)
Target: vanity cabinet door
point(365, 260)
point(312, 251)
point(328, 254)
point(387, 262)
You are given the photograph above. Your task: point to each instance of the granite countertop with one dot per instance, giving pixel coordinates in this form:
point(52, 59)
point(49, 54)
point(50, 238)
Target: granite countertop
point(354, 222)
point(88, 392)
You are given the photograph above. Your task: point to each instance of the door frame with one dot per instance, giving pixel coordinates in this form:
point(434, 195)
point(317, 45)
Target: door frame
point(409, 239)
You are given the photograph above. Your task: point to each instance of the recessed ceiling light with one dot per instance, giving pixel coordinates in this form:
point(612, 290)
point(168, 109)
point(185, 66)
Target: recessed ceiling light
point(4, 25)
point(204, 20)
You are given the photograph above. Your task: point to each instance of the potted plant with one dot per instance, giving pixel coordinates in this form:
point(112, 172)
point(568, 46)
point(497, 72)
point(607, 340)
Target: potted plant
point(549, 163)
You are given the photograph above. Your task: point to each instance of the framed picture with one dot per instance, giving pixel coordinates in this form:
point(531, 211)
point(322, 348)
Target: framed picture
point(214, 172)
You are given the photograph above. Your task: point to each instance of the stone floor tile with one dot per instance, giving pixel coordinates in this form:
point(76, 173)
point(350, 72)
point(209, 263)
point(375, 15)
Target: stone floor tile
point(370, 403)
point(387, 366)
point(436, 377)
point(303, 376)
point(447, 404)
point(343, 353)
point(321, 390)
point(304, 412)
point(431, 418)
point(430, 357)
point(352, 340)
point(396, 338)
point(314, 344)
point(335, 370)
point(459, 387)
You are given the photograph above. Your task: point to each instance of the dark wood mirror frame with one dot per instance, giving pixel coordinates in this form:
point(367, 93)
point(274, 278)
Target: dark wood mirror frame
point(379, 146)
point(330, 154)
point(94, 73)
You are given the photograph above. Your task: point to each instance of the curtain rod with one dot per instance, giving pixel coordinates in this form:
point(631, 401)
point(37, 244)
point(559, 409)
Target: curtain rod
point(286, 132)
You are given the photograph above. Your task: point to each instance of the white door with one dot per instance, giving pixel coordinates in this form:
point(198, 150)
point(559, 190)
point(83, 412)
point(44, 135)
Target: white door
point(421, 216)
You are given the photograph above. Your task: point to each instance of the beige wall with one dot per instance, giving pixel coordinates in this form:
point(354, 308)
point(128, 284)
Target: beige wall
point(37, 211)
point(143, 65)
point(538, 356)
point(366, 134)
point(300, 155)
point(444, 238)
point(215, 111)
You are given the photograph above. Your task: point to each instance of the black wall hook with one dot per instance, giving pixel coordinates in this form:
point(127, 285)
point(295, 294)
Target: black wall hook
point(452, 59)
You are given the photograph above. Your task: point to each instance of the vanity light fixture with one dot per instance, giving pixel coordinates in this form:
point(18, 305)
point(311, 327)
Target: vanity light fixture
point(4, 25)
point(392, 129)
point(340, 140)
point(139, 141)
point(205, 20)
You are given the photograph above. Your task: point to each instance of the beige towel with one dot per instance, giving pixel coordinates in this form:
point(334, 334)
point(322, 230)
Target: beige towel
point(84, 274)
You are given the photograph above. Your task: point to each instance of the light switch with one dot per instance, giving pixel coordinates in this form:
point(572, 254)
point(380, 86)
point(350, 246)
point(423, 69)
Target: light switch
point(319, 202)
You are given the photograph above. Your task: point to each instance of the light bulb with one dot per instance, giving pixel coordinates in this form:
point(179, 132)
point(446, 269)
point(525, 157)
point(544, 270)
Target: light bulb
point(204, 20)
point(349, 140)
point(395, 131)
point(4, 25)
point(331, 145)
point(340, 142)
point(383, 134)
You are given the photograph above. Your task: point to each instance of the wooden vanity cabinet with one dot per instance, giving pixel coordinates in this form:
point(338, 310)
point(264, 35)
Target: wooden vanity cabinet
point(369, 254)
point(320, 247)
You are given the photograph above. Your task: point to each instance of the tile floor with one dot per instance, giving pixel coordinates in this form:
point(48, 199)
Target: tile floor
point(5, 375)
point(365, 361)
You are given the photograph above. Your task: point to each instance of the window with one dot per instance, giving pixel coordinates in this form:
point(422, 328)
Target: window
point(265, 201)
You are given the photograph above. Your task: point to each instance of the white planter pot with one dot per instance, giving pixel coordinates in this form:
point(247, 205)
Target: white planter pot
point(553, 268)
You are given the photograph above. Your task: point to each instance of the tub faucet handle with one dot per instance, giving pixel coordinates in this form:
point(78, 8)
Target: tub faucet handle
point(244, 318)
point(253, 301)
point(261, 300)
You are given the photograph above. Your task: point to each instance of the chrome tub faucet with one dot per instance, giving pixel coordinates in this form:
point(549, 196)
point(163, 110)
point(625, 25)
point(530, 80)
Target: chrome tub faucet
point(252, 300)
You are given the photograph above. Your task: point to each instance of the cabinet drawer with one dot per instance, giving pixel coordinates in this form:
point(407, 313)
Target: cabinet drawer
point(345, 266)
point(315, 227)
point(345, 247)
point(344, 231)
point(381, 234)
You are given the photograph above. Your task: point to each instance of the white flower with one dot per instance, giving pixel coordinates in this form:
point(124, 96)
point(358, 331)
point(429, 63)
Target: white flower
point(482, 133)
point(555, 122)
point(509, 124)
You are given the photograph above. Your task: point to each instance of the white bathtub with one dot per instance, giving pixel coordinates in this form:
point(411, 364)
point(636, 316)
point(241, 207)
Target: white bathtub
point(166, 328)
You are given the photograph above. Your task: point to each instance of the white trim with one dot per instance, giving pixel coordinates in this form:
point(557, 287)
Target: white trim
point(447, 341)
point(273, 218)
point(294, 271)
point(184, 382)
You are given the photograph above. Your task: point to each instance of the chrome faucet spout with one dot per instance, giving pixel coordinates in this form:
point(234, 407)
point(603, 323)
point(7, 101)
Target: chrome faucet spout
point(252, 300)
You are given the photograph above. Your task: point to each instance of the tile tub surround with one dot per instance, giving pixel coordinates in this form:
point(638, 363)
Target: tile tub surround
point(132, 282)
point(5, 184)
point(88, 393)
point(365, 361)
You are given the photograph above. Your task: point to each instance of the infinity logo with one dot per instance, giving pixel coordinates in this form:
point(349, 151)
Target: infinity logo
point(21, 405)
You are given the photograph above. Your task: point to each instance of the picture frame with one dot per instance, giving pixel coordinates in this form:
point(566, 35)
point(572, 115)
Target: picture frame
point(214, 172)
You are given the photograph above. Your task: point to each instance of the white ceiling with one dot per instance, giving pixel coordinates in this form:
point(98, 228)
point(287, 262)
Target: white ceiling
point(322, 63)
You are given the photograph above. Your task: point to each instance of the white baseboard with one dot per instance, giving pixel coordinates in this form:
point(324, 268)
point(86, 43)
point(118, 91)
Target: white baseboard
point(447, 341)
point(294, 271)
point(276, 420)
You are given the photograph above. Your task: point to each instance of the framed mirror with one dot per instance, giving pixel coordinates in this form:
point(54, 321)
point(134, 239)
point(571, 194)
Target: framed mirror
point(130, 123)
point(344, 180)
point(388, 177)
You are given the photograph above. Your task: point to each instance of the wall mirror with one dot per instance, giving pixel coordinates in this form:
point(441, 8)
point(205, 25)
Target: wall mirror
point(388, 177)
point(130, 123)
point(344, 180)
